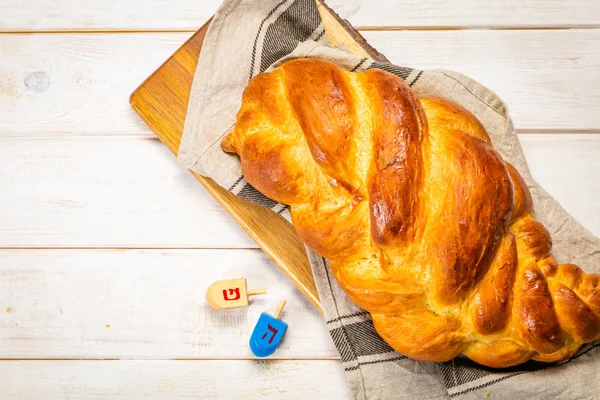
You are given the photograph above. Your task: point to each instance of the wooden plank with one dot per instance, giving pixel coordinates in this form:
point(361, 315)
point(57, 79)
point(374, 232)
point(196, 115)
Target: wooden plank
point(448, 14)
point(105, 192)
point(68, 84)
point(109, 15)
point(567, 167)
point(128, 192)
point(61, 15)
point(54, 380)
point(548, 78)
point(134, 304)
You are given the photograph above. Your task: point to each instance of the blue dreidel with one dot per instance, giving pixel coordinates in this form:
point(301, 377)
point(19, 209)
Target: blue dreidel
point(268, 333)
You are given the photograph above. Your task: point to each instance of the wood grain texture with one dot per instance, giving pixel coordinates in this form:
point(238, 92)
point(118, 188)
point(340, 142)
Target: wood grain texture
point(547, 77)
point(161, 101)
point(341, 33)
point(109, 15)
point(164, 15)
point(105, 192)
point(85, 192)
point(124, 192)
point(567, 167)
point(55, 84)
point(108, 380)
point(448, 14)
point(145, 304)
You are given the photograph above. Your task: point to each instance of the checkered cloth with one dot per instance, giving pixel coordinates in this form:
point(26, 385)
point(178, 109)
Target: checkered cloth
point(248, 37)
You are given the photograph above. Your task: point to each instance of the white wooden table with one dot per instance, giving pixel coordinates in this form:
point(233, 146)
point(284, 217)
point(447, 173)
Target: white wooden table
point(106, 246)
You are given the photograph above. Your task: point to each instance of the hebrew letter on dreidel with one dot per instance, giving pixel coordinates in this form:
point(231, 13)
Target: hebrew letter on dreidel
point(230, 293)
point(235, 292)
point(269, 327)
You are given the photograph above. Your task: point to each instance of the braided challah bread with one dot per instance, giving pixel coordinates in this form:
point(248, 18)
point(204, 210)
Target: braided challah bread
point(424, 224)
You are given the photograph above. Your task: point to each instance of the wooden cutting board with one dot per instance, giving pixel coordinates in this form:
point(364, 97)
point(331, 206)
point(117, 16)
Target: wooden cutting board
point(161, 101)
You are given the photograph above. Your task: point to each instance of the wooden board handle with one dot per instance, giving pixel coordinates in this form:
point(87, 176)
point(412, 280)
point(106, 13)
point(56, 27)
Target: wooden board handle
point(340, 31)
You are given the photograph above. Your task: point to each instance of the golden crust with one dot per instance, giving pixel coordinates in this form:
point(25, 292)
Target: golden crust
point(425, 224)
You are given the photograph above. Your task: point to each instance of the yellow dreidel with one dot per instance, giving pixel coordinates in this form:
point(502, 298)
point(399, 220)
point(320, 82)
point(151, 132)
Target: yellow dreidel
point(230, 293)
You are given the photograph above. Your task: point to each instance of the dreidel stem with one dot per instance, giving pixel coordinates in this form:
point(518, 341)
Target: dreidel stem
point(279, 309)
point(256, 291)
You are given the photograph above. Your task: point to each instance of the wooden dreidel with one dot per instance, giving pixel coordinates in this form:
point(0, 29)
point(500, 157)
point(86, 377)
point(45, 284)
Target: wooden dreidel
point(267, 333)
point(230, 293)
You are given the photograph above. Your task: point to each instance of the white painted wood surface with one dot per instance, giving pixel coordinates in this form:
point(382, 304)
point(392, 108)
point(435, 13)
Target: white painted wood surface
point(568, 167)
point(548, 78)
point(165, 15)
point(126, 192)
point(105, 192)
point(106, 246)
point(167, 380)
point(145, 304)
point(469, 13)
point(59, 84)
